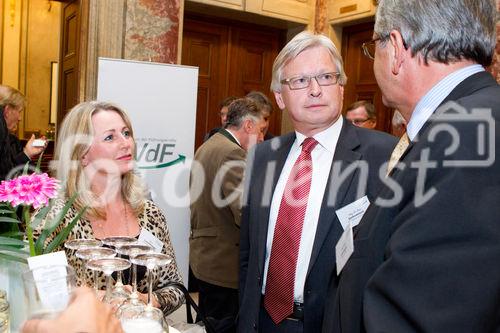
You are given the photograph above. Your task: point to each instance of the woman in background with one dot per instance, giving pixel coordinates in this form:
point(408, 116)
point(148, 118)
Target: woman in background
point(94, 157)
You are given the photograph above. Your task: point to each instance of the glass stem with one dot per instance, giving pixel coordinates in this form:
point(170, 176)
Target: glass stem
point(134, 280)
point(109, 286)
point(96, 281)
point(150, 287)
point(119, 282)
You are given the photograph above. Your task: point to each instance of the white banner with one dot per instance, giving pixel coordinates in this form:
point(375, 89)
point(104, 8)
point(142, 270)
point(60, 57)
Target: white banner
point(161, 101)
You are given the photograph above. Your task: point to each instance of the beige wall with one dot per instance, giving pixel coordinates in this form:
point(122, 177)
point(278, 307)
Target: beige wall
point(30, 42)
point(11, 37)
point(42, 48)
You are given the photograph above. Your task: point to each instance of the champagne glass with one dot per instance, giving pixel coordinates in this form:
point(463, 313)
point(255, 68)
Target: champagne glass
point(78, 244)
point(151, 261)
point(136, 319)
point(132, 251)
point(108, 266)
point(95, 253)
point(117, 242)
point(81, 243)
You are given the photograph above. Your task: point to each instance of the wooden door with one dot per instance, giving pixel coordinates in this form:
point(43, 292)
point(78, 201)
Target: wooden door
point(361, 83)
point(68, 69)
point(233, 59)
point(251, 64)
point(205, 45)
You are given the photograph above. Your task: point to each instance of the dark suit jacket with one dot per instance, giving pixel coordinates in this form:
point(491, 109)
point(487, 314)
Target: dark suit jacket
point(11, 150)
point(214, 241)
point(432, 266)
point(264, 166)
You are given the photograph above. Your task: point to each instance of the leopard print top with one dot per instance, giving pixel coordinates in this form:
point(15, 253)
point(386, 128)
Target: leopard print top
point(151, 219)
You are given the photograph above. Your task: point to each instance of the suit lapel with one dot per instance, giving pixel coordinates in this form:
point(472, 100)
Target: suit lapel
point(344, 154)
point(278, 157)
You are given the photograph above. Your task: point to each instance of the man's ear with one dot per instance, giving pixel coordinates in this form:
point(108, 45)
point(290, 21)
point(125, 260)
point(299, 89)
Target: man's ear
point(279, 100)
point(6, 110)
point(399, 51)
point(248, 125)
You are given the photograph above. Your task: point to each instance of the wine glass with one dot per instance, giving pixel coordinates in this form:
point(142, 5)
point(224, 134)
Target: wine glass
point(108, 266)
point(116, 242)
point(132, 251)
point(151, 261)
point(95, 253)
point(136, 319)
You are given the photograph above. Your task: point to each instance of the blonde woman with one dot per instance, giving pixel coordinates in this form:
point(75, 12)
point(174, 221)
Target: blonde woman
point(94, 157)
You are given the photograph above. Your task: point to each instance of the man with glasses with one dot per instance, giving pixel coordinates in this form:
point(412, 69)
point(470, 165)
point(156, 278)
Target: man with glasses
point(362, 114)
point(429, 260)
point(295, 185)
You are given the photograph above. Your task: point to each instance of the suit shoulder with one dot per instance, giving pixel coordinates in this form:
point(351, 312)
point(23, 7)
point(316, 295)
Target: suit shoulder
point(376, 139)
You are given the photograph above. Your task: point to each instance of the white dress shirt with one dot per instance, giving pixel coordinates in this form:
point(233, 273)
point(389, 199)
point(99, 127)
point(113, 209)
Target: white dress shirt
point(434, 97)
point(322, 157)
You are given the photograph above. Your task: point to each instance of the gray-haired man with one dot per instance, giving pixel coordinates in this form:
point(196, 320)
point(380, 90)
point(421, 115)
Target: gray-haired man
point(429, 261)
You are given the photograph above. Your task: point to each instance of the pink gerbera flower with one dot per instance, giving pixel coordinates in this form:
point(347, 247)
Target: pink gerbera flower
point(34, 189)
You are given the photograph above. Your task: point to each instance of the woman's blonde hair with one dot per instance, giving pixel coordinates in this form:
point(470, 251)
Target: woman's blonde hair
point(12, 97)
point(73, 142)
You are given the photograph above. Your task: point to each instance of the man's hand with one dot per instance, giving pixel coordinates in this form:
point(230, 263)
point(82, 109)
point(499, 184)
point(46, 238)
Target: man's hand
point(85, 313)
point(31, 151)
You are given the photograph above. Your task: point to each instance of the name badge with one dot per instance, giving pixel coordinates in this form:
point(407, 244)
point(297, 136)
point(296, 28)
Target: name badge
point(352, 213)
point(148, 238)
point(344, 248)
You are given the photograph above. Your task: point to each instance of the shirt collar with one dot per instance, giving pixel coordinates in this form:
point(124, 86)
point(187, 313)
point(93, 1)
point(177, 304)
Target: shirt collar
point(327, 138)
point(235, 138)
point(435, 96)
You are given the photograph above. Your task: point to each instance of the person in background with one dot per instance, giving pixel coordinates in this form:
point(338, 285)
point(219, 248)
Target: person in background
point(398, 124)
point(85, 313)
point(426, 259)
point(215, 212)
point(223, 110)
point(266, 108)
point(362, 114)
point(94, 158)
point(12, 153)
point(289, 225)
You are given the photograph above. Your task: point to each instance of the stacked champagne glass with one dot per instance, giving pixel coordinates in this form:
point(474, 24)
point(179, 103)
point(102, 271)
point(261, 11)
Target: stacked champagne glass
point(106, 257)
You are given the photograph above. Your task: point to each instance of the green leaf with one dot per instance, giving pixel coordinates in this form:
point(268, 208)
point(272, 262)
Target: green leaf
point(11, 241)
point(13, 258)
point(9, 220)
point(51, 226)
point(15, 249)
point(6, 211)
point(26, 168)
point(13, 234)
point(38, 163)
point(42, 213)
point(64, 233)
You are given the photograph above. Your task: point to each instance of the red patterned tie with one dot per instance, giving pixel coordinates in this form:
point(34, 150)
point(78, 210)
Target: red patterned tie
point(278, 298)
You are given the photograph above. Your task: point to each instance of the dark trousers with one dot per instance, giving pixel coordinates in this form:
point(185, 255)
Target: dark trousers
point(267, 325)
point(217, 302)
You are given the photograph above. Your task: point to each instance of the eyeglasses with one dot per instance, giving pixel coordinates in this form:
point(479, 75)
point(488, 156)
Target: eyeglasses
point(302, 82)
point(369, 48)
point(359, 122)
